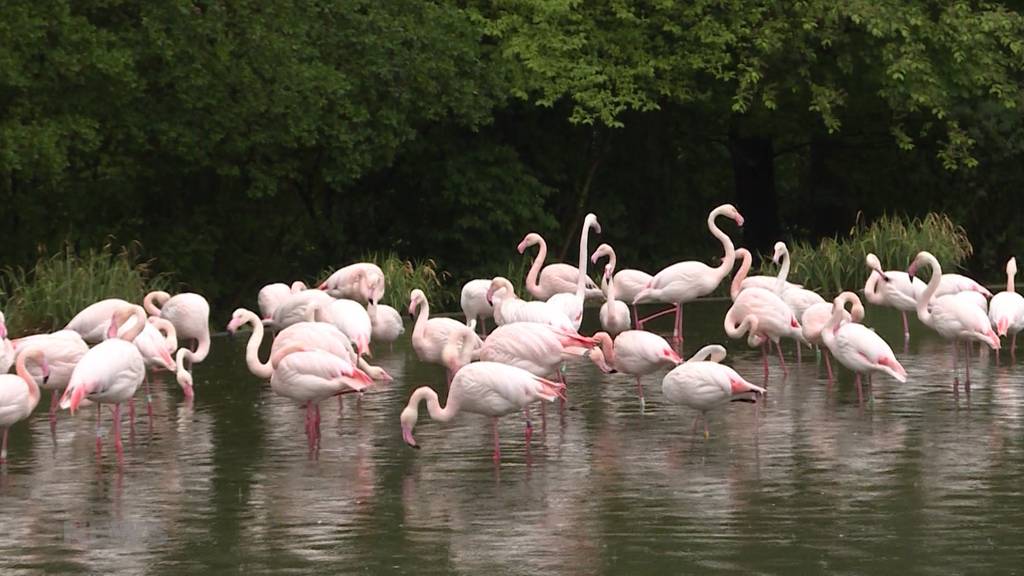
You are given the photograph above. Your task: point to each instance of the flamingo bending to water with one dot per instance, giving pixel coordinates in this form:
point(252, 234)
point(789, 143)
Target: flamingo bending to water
point(634, 352)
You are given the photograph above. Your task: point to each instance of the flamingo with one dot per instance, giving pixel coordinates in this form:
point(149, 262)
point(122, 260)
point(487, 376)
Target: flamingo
point(475, 305)
point(858, 347)
point(554, 278)
point(954, 318)
point(761, 314)
point(351, 318)
point(350, 281)
point(614, 313)
point(6, 347)
point(892, 288)
point(19, 394)
point(429, 335)
point(309, 375)
point(300, 307)
point(634, 352)
point(686, 281)
point(272, 295)
point(1007, 308)
point(817, 316)
point(63, 350)
point(509, 309)
point(319, 335)
point(386, 322)
point(110, 372)
point(487, 388)
point(777, 284)
point(572, 304)
point(157, 341)
point(190, 314)
point(93, 321)
point(703, 383)
point(628, 282)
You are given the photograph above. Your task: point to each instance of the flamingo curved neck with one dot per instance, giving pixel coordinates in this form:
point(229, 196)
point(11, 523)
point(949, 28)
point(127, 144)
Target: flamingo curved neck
point(871, 288)
point(140, 323)
point(434, 405)
point(584, 239)
point(169, 332)
point(607, 347)
point(154, 301)
point(422, 314)
point(252, 349)
point(729, 258)
point(20, 369)
point(741, 274)
point(533, 276)
point(923, 313)
point(783, 272)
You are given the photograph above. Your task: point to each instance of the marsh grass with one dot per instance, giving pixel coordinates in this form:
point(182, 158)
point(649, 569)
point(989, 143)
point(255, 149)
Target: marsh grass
point(838, 264)
point(49, 294)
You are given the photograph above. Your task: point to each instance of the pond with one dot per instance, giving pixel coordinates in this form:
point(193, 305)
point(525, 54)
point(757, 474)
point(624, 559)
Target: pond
point(912, 482)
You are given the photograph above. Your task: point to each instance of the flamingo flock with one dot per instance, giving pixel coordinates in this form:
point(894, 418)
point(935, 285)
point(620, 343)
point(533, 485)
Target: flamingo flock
point(323, 336)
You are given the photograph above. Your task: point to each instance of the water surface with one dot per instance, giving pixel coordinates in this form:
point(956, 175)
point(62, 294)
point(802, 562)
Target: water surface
point(912, 482)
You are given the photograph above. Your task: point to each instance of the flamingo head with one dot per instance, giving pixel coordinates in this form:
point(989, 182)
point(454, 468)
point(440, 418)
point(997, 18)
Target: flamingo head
point(1002, 326)
point(528, 240)
point(415, 297)
point(602, 250)
point(730, 211)
point(597, 357)
point(378, 373)
point(498, 284)
point(72, 397)
point(607, 271)
point(363, 346)
point(591, 222)
point(238, 320)
point(408, 419)
point(670, 355)
point(992, 339)
point(185, 381)
point(779, 251)
point(358, 375)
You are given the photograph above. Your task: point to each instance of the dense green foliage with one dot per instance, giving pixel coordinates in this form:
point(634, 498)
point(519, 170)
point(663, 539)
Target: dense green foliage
point(248, 142)
point(48, 295)
point(837, 264)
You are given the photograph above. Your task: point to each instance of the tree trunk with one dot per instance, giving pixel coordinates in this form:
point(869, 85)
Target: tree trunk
point(753, 172)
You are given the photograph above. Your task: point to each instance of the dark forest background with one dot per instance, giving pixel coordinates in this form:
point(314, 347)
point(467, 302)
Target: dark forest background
point(246, 142)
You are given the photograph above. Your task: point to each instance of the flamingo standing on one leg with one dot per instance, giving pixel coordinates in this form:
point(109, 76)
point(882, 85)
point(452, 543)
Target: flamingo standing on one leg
point(1006, 310)
point(687, 281)
point(19, 394)
point(110, 372)
point(475, 305)
point(634, 352)
point(858, 347)
point(893, 288)
point(487, 388)
point(572, 304)
point(190, 314)
point(955, 319)
point(702, 383)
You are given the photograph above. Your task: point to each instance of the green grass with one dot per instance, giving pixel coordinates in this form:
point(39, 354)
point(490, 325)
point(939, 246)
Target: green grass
point(837, 264)
point(401, 277)
point(49, 294)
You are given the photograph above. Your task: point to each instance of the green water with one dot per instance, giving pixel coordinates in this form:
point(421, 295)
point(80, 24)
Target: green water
point(810, 481)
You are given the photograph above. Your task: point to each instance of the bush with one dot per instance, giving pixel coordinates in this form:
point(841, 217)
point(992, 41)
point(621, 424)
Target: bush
point(47, 296)
point(838, 264)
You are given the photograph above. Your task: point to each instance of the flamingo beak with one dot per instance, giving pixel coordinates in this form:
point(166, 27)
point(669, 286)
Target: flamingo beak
point(407, 437)
point(739, 219)
point(362, 376)
point(76, 398)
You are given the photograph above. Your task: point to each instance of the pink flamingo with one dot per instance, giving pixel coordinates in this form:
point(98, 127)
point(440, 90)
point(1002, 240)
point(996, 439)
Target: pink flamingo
point(110, 372)
point(429, 335)
point(190, 314)
point(858, 347)
point(817, 316)
point(386, 322)
point(299, 307)
point(614, 313)
point(487, 388)
point(320, 335)
point(760, 314)
point(6, 348)
point(19, 394)
point(686, 281)
point(157, 341)
point(703, 383)
point(777, 284)
point(308, 375)
point(351, 318)
point(93, 321)
point(63, 350)
point(954, 318)
point(1007, 308)
point(554, 278)
point(475, 305)
point(509, 309)
point(634, 352)
point(892, 288)
point(272, 295)
point(572, 303)
point(350, 281)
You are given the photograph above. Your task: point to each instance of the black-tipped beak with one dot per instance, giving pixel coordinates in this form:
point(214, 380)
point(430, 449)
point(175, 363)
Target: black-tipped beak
point(416, 446)
point(46, 379)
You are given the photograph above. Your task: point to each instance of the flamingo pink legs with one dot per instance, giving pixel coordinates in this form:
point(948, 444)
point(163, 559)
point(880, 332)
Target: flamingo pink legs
point(497, 445)
point(640, 394)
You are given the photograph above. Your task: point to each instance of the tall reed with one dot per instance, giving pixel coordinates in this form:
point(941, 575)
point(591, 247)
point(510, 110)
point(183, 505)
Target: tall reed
point(837, 264)
point(49, 294)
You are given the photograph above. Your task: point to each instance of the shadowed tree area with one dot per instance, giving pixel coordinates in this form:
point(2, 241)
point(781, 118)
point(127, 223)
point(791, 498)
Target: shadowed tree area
point(249, 142)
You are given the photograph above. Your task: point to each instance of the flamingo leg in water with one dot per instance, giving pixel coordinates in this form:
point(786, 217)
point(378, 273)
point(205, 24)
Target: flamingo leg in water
point(117, 429)
point(561, 399)
point(828, 366)
point(3, 450)
point(764, 358)
point(906, 328)
point(785, 371)
point(696, 420)
point(54, 400)
point(860, 391)
point(149, 401)
point(799, 356)
point(1013, 347)
point(677, 333)
point(99, 431)
point(967, 365)
point(640, 393)
point(497, 445)
point(529, 425)
point(956, 374)
point(706, 433)
point(636, 319)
